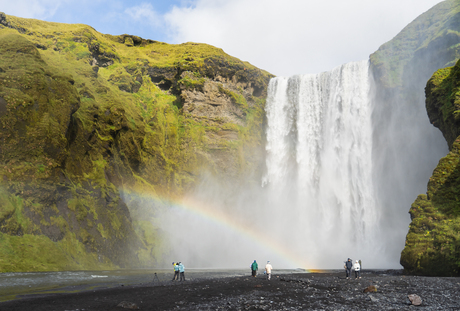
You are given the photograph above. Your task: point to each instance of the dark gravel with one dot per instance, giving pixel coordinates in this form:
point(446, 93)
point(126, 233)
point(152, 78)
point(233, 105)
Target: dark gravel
point(299, 291)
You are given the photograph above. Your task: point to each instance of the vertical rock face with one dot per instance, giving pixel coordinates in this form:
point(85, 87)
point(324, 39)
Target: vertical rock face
point(38, 106)
point(433, 242)
point(94, 126)
point(406, 146)
point(443, 102)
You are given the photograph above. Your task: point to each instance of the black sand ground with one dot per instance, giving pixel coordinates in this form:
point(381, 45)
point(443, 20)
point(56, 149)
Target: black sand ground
point(308, 291)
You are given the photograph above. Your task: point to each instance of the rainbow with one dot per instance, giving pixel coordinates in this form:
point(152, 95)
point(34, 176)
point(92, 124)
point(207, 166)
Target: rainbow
point(215, 215)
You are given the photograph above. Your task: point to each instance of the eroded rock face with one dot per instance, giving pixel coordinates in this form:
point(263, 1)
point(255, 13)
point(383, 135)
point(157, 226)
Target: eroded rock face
point(401, 68)
point(443, 102)
point(86, 119)
point(433, 243)
point(6, 23)
point(101, 222)
point(164, 77)
point(212, 102)
point(36, 108)
point(38, 125)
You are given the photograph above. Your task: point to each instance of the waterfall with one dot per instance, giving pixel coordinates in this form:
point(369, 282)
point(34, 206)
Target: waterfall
point(319, 161)
point(318, 205)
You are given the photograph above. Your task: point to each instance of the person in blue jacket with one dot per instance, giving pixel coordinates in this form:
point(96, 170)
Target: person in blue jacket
point(182, 272)
point(176, 271)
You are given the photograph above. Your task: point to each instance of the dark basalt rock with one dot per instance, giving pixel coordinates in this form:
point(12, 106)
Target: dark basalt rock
point(4, 22)
point(328, 291)
point(164, 77)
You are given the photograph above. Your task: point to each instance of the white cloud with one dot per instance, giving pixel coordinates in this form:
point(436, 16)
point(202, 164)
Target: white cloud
point(144, 14)
point(294, 36)
point(40, 9)
point(284, 37)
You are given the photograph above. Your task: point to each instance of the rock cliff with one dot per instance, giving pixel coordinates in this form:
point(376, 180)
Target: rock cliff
point(443, 102)
point(92, 124)
point(406, 146)
point(433, 242)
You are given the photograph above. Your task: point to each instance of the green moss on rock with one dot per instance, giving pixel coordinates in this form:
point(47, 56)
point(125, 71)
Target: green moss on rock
point(84, 116)
point(433, 242)
point(432, 38)
point(443, 101)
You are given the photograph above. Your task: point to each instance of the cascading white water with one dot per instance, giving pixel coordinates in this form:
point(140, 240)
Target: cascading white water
point(318, 204)
point(319, 162)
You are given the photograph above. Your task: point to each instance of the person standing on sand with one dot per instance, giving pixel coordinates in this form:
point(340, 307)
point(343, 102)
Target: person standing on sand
point(254, 268)
point(357, 268)
point(176, 271)
point(268, 270)
point(182, 272)
point(347, 266)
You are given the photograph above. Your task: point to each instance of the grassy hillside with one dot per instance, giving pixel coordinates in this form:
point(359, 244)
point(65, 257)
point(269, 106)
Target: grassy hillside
point(432, 38)
point(86, 115)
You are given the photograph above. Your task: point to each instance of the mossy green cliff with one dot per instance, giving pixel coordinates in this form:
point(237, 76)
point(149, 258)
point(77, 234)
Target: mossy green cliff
point(443, 102)
point(433, 242)
point(401, 68)
point(87, 120)
point(432, 38)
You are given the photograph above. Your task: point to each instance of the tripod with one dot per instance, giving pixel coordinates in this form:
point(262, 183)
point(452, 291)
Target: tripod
point(155, 277)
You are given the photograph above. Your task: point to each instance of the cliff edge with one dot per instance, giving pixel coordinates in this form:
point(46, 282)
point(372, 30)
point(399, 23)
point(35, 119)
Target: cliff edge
point(433, 242)
point(99, 131)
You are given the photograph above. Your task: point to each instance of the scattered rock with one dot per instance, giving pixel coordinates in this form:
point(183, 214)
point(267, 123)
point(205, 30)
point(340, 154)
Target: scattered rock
point(128, 305)
point(241, 293)
point(373, 299)
point(370, 289)
point(415, 299)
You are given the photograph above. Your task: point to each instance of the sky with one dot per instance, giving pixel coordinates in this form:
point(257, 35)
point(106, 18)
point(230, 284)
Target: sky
point(284, 37)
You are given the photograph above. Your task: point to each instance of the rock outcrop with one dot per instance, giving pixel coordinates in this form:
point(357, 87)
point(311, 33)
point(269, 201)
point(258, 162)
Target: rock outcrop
point(443, 102)
point(433, 242)
point(406, 146)
point(95, 128)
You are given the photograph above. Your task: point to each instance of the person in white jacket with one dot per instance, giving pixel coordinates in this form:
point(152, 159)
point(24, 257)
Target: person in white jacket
point(357, 268)
point(268, 270)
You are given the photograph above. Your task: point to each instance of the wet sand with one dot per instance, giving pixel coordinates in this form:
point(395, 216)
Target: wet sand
point(296, 291)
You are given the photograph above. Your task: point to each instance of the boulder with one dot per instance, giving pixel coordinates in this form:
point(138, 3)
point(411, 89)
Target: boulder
point(370, 289)
point(415, 299)
point(128, 305)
